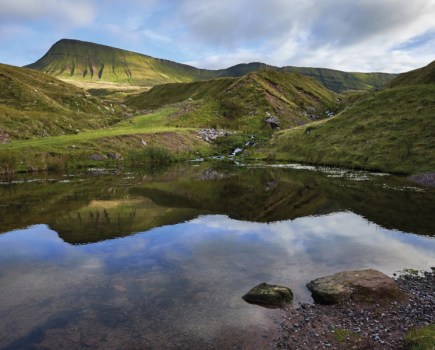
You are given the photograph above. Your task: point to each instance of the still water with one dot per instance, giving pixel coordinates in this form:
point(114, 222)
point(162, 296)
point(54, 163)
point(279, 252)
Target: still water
point(159, 258)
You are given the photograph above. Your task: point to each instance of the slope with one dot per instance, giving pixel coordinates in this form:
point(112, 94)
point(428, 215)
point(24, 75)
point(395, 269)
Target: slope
point(425, 75)
point(33, 104)
point(81, 61)
point(389, 130)
point(339, 81)
point(243, 103)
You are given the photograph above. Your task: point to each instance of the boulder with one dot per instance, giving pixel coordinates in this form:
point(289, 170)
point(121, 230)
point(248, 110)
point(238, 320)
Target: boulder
point(97, 157)
point(209, 135)
point(269, 295)
point(115, 156)
point(272, 121)
point(362, 285)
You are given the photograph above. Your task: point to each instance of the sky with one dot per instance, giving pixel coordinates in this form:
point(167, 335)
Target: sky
point(350, 35)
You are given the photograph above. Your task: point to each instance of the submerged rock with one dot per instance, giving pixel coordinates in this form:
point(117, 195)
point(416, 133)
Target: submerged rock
point(268, 295)
point(363, 285)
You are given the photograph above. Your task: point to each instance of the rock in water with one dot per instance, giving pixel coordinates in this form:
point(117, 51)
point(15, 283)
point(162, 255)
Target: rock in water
point(363, 285)
point(269, 295)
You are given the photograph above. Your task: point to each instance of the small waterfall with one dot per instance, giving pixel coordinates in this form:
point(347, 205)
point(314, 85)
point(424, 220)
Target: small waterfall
point(236, 151)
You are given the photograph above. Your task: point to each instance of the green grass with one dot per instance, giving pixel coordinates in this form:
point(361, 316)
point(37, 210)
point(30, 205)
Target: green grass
point(152, 154)
point(136, 134)
point(421, 339)
point(342, 335)
point(390, 130)
point(139, 125)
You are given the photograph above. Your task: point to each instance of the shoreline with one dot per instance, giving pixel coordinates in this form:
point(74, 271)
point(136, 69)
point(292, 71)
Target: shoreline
point(356, 325)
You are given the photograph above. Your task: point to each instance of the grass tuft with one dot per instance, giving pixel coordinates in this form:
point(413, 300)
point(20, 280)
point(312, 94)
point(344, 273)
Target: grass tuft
point(150, 154)
point(421, 339)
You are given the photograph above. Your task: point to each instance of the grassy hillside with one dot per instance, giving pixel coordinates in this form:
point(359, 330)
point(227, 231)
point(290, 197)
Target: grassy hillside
point(33, 104)
point(81, 61)
point(425, 75)
point(391, 130)
point(339, 81)
point(243, 103)
point(141, 139)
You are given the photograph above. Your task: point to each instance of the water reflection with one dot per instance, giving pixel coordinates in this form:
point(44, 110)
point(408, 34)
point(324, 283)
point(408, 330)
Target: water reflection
point(91, 209)
point(194, 241)
point(179, 284)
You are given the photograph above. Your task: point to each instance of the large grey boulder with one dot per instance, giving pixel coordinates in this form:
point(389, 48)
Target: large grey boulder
point(269, 295)
point(362, 285)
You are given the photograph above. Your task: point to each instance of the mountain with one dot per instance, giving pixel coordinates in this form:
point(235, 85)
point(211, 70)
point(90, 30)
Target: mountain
point(85, 61)
point(243, 103)
point(34, 104)
point(425, 75)
point(389, 130)
point(88, 62)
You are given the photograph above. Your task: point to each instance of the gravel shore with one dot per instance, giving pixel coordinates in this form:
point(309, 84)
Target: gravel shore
point(358, 325)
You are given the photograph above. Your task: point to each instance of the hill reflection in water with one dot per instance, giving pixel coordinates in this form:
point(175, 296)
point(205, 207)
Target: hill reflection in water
point(161, 260)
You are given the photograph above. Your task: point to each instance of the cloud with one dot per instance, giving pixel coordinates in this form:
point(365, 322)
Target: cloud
point(350, 35)
point(224, 22)
point(360, 35)
point(68, 13)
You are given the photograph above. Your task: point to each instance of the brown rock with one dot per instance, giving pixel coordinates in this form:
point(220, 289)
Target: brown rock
point(4, 137)
point(362, 285)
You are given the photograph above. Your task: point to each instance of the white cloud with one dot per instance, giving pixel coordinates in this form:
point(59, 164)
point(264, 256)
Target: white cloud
point(357, 35)
point(74, 13)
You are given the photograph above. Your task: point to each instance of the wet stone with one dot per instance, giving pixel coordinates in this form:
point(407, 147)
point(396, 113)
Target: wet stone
point(268, 295)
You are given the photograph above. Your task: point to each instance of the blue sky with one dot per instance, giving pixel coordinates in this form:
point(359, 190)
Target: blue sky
point(351, 35)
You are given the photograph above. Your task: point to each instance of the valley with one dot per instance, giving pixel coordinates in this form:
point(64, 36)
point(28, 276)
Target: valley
point(142, 102)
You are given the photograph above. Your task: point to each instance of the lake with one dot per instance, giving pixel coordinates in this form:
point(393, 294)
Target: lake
point(159, 258)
